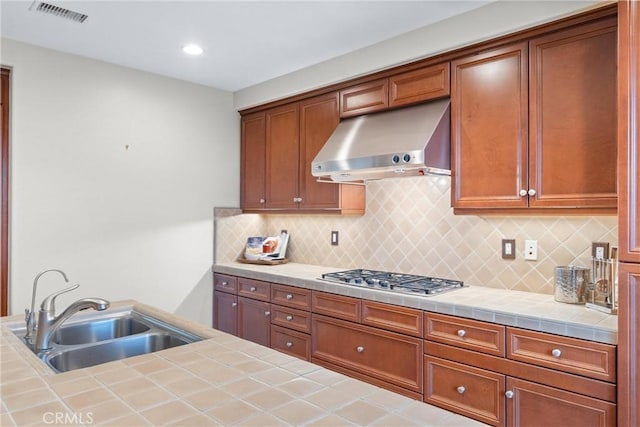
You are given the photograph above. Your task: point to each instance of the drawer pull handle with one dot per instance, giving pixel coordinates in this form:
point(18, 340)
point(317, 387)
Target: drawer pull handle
point(289, 344)
point(253, 289)
point(461, 333)
point(461, 390)
point(289, 317)
point(359, 349)
point(508, 394)
point(556, 352)
point(289, 297)
point(234, 304)
point(267, 313)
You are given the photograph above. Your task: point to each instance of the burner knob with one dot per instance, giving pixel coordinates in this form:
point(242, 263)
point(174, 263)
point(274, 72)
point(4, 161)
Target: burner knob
point(370, 281)
point(384, 283)
point(357, 280)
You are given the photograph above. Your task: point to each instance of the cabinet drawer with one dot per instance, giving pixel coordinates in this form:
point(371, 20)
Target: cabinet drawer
point(470, 334)
point(342, 307)
point(225, 283)
point(419, 85)
point(290, 296)
point(587, 358)
point(291, 318)
point(365, 98)
point(255, 289)
point(469, 391)
point(291, 342)
point(387, 356)
point(392, 317)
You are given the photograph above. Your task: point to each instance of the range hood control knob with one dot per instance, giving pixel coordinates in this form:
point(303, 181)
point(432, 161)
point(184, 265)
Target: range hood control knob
point(406, 158)
point(395, 158)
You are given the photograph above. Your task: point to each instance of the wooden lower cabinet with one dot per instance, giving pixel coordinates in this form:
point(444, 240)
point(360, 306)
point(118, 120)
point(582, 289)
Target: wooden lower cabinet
point(501, 400)
point(292, 342)
point(225, 312)
point(473, 392)
point(254, 321)
point(387, 356)
point(536, 405)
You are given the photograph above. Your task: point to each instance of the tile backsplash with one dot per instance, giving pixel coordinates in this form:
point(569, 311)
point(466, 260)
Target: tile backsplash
point(410, 227)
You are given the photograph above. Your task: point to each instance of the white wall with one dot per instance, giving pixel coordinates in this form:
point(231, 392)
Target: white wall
point(124, 223)
point(495, 19)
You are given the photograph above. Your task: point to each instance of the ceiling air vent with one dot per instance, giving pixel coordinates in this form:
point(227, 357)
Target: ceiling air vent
point(39, 6)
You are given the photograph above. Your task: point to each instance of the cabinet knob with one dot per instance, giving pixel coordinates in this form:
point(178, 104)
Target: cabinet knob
point(556, 352)
point(508, 394)
point(262, 201)
point(359, 349)
point(289, 344)
point(225, 284)
point(289, 297)
point(523, 192)
point(461, 333)
point(234, 304)
point(253, 289)
point(531, 192)
point(461, 389)
point(289, 317)
point(267, 313)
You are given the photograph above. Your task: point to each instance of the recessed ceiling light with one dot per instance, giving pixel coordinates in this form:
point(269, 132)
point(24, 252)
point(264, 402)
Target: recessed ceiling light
point(192, 49)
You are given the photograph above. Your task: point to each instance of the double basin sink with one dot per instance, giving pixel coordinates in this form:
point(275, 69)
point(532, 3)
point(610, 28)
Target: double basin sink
point(106, 338)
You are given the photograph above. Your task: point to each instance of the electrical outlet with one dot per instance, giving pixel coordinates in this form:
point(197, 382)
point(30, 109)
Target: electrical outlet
point(334, 238)
point(600, 250)
point(531, 250)
point(508, 249)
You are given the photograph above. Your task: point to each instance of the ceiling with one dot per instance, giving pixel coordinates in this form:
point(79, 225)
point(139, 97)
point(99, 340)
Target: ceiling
point(244, 42)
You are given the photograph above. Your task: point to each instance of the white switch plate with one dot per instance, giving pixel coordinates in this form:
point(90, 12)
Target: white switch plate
point(531, 250)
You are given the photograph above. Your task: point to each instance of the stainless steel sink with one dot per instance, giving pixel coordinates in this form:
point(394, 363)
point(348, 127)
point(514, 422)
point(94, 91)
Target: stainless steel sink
point(117, 349)
point(98, 330)
point(106, 337)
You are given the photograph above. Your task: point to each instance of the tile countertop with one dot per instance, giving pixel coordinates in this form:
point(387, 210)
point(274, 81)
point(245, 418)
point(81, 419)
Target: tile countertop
point(222, 380)
point(526, 310)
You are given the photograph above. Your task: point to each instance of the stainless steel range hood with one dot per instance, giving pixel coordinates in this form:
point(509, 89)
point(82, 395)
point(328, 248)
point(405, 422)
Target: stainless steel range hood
point(412, 141)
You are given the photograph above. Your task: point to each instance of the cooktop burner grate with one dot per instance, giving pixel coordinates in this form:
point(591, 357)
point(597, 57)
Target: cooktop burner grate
point(397, 282)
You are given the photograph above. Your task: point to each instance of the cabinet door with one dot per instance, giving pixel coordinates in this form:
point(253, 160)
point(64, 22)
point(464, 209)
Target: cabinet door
point(291, 342)
point(629, 345)
point(365, 98)
point(254, 322)
point(319, 117)
point(253, 166)
point(419, 85)
point(282, 157)
point(629, 131)
point(225, 311)
point(573, 141)
point(536, 405)
point(489, 113)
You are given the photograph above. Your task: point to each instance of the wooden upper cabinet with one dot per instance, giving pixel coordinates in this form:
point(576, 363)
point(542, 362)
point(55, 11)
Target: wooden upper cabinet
point(252, 162)
point(419, 85)
point(319, 117)
point(572, 139)
point(489, 108)
point(282, 157)
point(364, 98)
point(629, 131)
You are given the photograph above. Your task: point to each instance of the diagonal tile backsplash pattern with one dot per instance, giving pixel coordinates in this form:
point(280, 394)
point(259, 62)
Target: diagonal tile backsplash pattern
point(410, 227)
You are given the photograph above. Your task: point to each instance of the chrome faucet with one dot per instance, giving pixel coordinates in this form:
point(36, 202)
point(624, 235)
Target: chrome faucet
point(29, 314)
point(48, 322)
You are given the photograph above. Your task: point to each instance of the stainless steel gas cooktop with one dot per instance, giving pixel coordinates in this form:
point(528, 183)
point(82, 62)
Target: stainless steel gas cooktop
point(396, 282)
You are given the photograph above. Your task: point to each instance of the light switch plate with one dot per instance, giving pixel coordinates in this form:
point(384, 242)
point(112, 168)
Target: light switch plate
point(334, 238)
point(508, 248)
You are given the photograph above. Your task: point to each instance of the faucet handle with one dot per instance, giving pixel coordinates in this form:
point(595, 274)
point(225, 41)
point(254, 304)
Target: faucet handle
point(48, 304)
